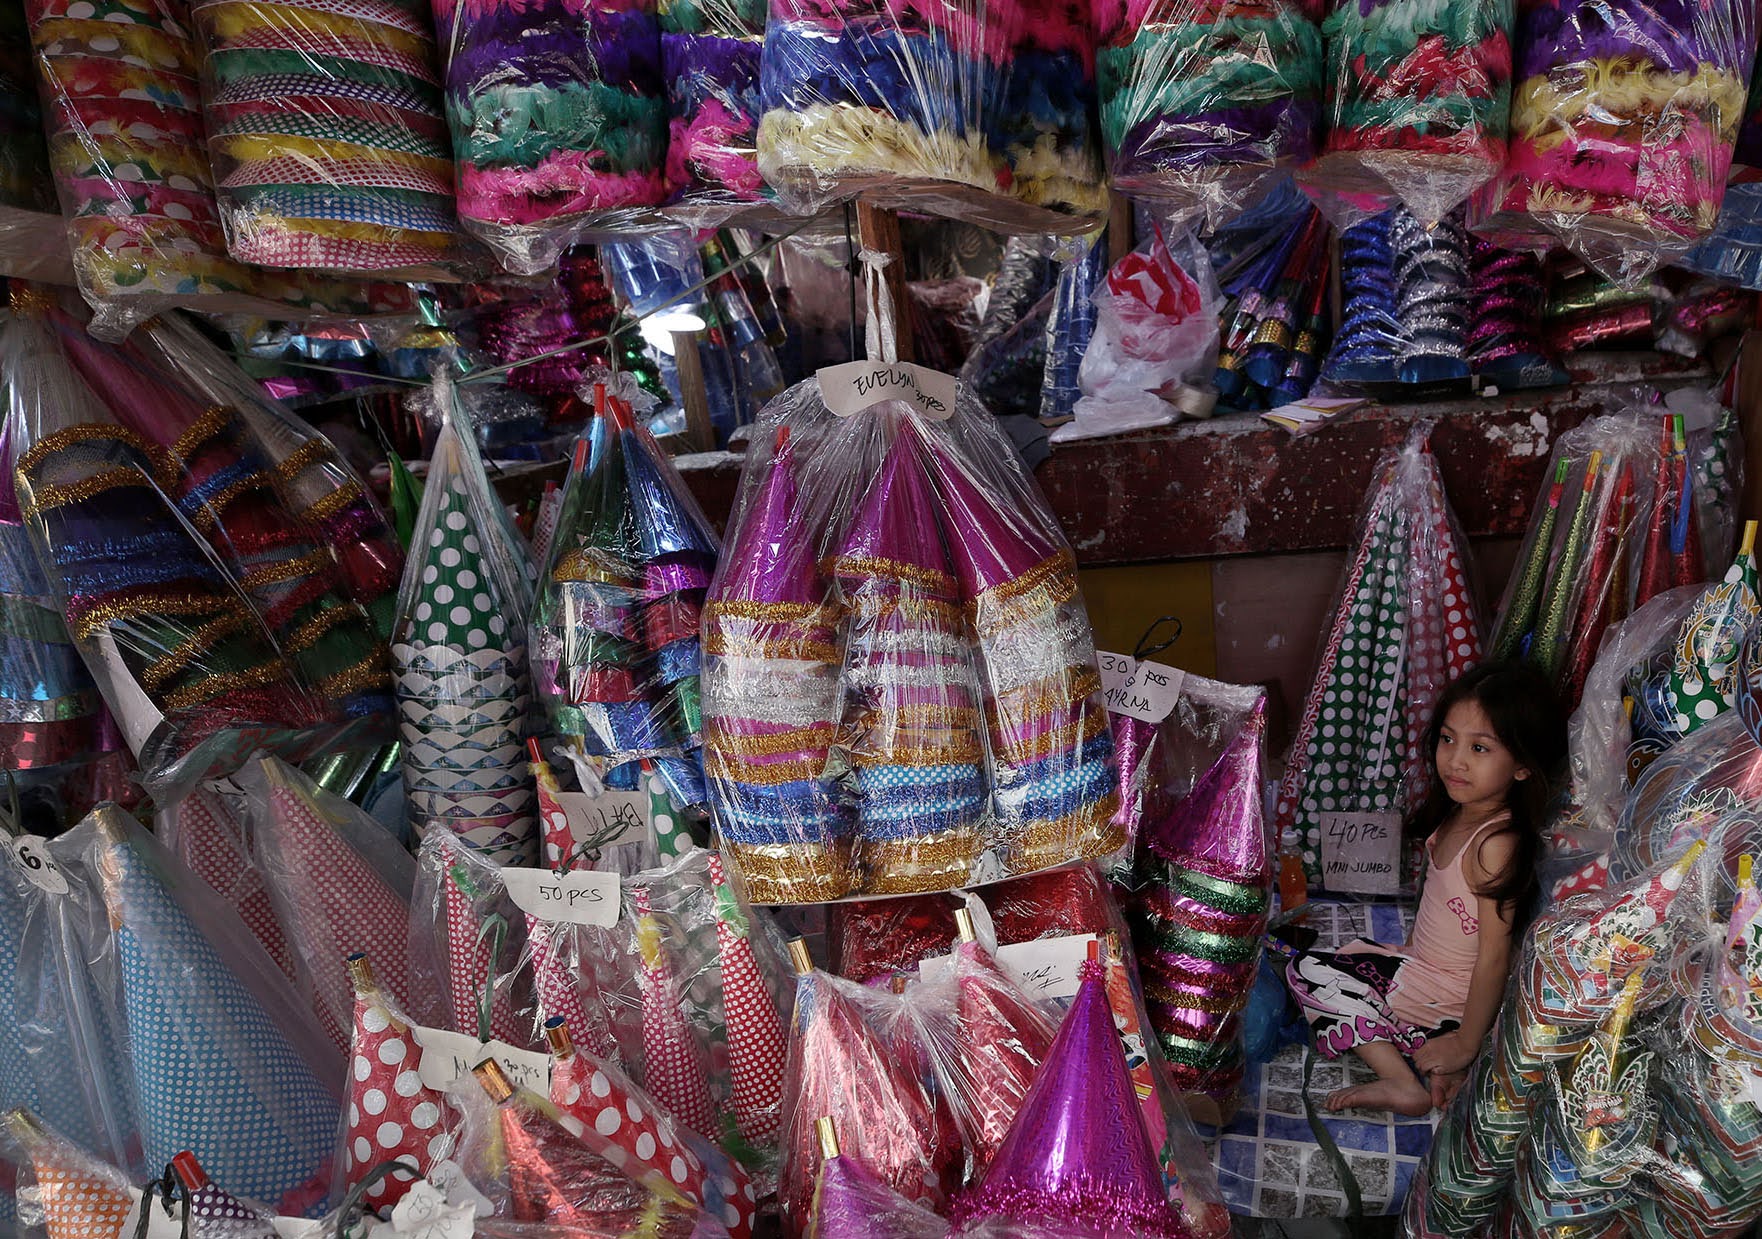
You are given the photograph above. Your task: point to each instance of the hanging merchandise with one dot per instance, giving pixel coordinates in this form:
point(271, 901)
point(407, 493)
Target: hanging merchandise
point(1071, 325)
point(226, 1063)
point(980, 749)
point(33, 243)
point(1417, 96)
point(1623, 122)
point(710, 65)
point(1201, 103)
point(465, 946)
point(615, 630)
point(949, 109)
point(1730, 252)
point(1505, 345)
point(190, 673)
point(1201, 914)
point(460, 661)
point(559, 119)
point(1274, 326)
point(326, 137)
point(851, 1203)
point(1404, 626)
point(1407, 309)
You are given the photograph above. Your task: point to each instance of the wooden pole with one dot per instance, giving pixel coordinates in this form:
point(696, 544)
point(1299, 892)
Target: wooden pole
point(878, 230)
point(692, 393)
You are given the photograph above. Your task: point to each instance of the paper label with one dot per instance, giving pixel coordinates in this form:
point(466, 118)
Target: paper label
point(1116, 672)
point(579, 897)
point(32, 854)
point(298, 1227)
point(858, 385)
point(1149, 694)
point(448, 1057)
point(425, 1213)
point(1046, 968)
point(1361, 852)
point(606, 820)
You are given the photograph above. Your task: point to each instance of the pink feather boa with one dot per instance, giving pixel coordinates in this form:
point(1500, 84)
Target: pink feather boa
point(562, 184)
point(713, 151)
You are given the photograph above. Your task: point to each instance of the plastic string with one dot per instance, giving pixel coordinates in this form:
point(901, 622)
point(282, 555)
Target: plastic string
point(168, 1186)
point(1144, 649)
point(352, 1199)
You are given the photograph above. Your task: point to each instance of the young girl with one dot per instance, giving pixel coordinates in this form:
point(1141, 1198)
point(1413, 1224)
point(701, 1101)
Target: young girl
point(1498, 737)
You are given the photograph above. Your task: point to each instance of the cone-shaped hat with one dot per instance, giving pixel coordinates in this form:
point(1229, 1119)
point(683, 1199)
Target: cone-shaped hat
point(853, 1204)
point(894, 531)
point(1219, 829)
point(1005, 1038)
point(668, 521)
point(1078, 1152)
point(992, 547)
point(772, 557)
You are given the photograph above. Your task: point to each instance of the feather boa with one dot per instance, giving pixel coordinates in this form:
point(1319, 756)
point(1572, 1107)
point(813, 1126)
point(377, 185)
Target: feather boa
point(1118, 22)
point(526, 125)
point(1629, 90)
point(564, 183)
point(728, 19)
point(1388, 33)
point(548, 46)
point(1281, 132)
point(713, 152)
point(701, 67)
point(995, 29)
point(1551, 37)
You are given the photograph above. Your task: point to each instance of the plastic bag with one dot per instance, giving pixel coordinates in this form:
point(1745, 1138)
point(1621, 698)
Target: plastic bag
point(710, 62)
point(1404, 626)
point(615, 629)
point(1417, 96)
point(33, 243)
point(955, 110)
point(559, 119)
point(1275, 325)
point(1623, 121)
point(459, 656)
point(1201, 103)
point(1156, 335)
point(190, 673)
point(843, 730)
point(326, 137)
point(1070, 325)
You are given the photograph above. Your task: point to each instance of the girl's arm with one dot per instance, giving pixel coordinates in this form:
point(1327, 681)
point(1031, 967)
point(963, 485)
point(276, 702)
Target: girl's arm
point(1454, 1051)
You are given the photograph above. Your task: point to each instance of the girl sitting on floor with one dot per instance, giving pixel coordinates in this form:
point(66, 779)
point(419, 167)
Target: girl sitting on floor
point(1498, 737)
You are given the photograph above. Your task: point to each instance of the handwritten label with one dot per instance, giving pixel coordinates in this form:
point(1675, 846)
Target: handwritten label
point(1361, 852)
point(580, 897)
point(1116, 672)
point(425, 1213)
point(32, 854)
point(448, 1057)
point(1045, 968)
point(606, 820)
point(858, 385)
point(1149, 693)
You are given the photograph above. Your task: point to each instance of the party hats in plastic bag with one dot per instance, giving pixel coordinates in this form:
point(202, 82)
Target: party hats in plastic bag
point(459, 655)
point(226, 1063)
point(674, 1069)
point(70, 1193)
point(851, 1203)
point(1703, 681)
point(340, 882)
point(758, 1045)
point(213, 841)
point(214, 1212)
point(464, 944)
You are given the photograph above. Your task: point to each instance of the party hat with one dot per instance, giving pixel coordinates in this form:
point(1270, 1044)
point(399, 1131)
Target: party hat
point(216, 1213)
point(627, 1127)
point(340, 881)
point(1518, 619)
point(1078, 1152)
point(1593, 957)
point(392, 1114)
point(1218, 829)
point(225, 1064)
point(475, 932)
point(1004, 1037)
point(758, 1046)
point(557, 976)
point(207, 836)
point(911, 722)
point(1703, 677)
point(851, 1203)
point(80, 1196)
point(781, 818)
point(674, 1069)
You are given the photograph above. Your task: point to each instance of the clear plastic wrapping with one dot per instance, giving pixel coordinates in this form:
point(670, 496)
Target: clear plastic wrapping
point(1276, 324)
point(710, 63)
point(325, 134)
point(900, 690)
point(978, 112)
point(615, 630)
point(1417, 96)
point(1069, 327)
point(559, 119)
point(1201, 102)
point(459, 655)
point(1404, 625)
point(32, 236)
point(1623, 120)
point(192, 676)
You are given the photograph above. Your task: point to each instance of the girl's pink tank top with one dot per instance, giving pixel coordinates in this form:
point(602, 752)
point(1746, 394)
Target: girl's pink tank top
point(1446, 935)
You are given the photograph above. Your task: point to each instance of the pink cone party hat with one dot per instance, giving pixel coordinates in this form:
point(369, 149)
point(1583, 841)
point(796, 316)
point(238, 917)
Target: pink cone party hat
point(1078, 1152)
point(757, 1042)
point(208, 837)
point(557, 982)
point(392, 1114)
point(771, 702)
point(1220, 828)
point(1004, 1037)
point(674, 1070)
point(851, 1203)
point(911, 722)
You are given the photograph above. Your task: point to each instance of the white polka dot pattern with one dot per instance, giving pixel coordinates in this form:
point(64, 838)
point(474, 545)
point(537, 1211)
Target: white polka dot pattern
point(674, 1071)
point(392, 1114)
point(757, 1043)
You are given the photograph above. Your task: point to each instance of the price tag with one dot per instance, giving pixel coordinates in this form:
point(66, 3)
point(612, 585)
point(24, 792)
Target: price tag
point(580, 897)
point(448, 1057)
point(1361, 852)
point(1149, 693)
point(1116, 672)
point(858, 385)
point(32, 854)
point(608, 819)
point(1045, 968)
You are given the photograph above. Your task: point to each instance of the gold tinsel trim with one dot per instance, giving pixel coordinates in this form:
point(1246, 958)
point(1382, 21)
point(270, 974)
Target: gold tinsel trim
point(808, 615)
point(163, 669)
point(370, 672)
point(333, 503)
point(1058, 740)
point(206, 515)
point(917, 866)
point(945, 615)
point(86, 432)
point(719, 645)
point(797, 739)
point(205, 427)
point(965, 752)
point(307, 634)
point(925, 714)
point(582, 564)
point(1048, 584)
point(1061, 689)
point(209, 687)
point(757, 774)
point(794, 873)
point(105, 613)
point(928, 579)
point(1083, 835)
point(286, 570)
point(309, 453)
point(46, 498)
point(29, 299)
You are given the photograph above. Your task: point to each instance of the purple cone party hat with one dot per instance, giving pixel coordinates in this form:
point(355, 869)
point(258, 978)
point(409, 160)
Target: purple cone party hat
point(227, 1063)
point(771, 701)
point(1078, 1152)
point(1054, 785)
point(459, 658)
point(851, 1203)
point(911, 707)
point(1198, 923)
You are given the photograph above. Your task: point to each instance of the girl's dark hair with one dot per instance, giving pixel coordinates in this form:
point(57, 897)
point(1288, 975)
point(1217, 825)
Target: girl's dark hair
point(1526, 716)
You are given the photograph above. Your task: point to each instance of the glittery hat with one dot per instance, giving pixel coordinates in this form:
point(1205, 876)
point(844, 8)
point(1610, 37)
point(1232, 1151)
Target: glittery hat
point(1005, 1038)
point(851, 1203)
point(1078, 1151)
point(772, 559)
point(1218, 830)
point(668, 520)
point(893, 534)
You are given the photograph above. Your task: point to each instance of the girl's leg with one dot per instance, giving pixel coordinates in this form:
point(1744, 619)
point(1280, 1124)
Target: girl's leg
point(1395, 1088)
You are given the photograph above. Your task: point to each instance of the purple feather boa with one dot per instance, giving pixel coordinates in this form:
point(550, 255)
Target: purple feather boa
point(543, 45)
point(1284, 130)
point(1675, 35)
point(694, 64)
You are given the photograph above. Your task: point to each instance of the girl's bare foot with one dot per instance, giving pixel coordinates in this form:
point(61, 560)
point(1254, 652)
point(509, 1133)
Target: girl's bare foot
point(1407, 1096)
